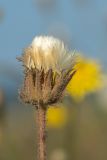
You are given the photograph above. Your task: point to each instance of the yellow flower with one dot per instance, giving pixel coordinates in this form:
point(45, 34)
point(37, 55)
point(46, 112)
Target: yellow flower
point(56, 117)
point(86, 79)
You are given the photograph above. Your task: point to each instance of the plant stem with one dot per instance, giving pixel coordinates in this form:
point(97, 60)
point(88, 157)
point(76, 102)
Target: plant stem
point(41, 126)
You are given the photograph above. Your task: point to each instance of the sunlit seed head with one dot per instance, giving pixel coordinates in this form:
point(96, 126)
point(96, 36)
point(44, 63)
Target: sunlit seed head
point(48, 53)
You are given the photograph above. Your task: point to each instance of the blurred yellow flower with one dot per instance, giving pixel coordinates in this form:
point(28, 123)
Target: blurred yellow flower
point(86, 79)
point(56, 117)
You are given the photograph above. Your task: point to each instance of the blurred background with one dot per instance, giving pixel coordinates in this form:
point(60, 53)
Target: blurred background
point(78, 129)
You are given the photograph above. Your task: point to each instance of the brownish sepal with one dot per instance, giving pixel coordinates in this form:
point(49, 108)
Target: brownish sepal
point(44, 88)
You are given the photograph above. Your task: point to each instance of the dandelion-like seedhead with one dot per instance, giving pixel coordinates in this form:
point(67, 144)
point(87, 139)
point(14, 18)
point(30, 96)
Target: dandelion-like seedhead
point(47, 53)
point(49, 66)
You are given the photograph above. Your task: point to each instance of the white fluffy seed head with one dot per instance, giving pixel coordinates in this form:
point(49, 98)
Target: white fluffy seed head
point(48, 53)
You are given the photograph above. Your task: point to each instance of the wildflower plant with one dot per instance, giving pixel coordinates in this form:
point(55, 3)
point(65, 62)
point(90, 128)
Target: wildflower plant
point(88, 79)
point(48, 68)
point(57, 117)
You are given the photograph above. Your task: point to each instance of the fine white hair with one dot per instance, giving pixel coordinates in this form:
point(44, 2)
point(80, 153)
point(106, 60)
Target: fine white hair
point(48, 53)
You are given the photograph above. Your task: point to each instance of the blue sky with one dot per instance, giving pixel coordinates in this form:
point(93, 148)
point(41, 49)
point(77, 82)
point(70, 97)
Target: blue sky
point(85, 25)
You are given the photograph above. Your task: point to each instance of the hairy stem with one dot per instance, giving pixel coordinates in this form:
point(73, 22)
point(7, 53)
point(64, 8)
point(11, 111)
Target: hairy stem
point(41, 124)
